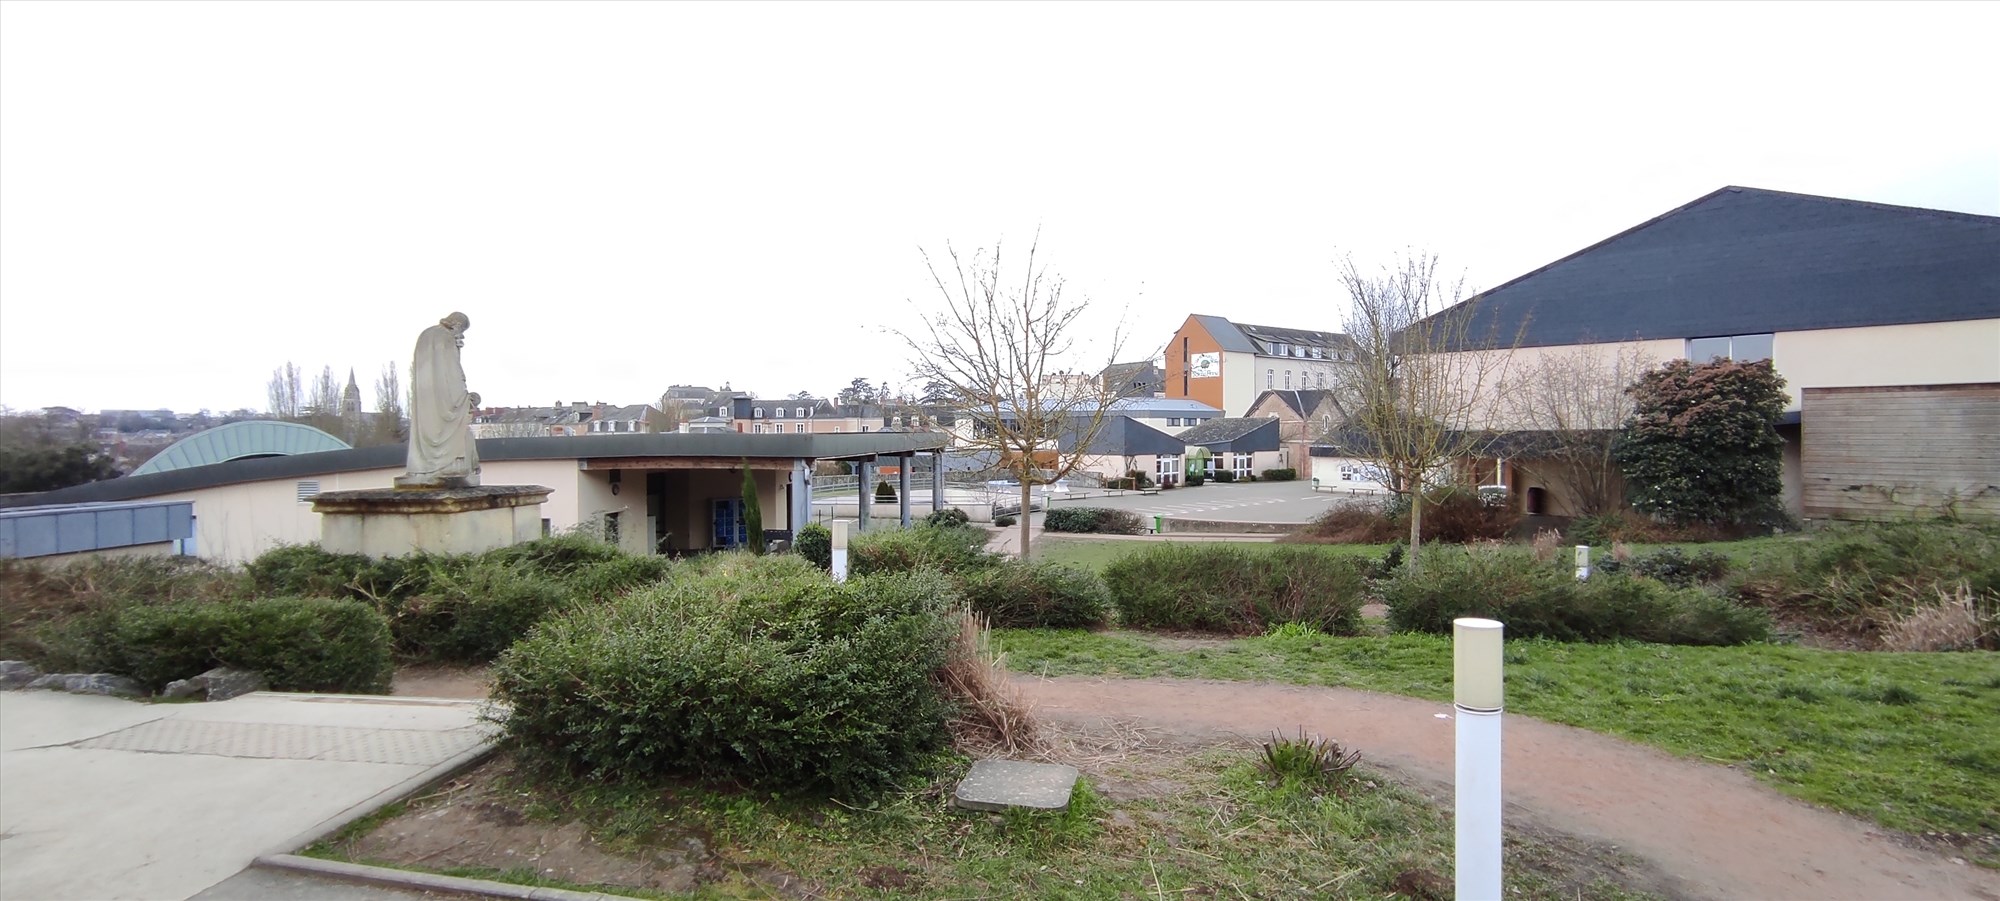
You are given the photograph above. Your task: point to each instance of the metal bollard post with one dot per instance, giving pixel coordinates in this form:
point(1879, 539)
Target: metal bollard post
point(1477, 690)
point(1582, 562)
point(840, 550)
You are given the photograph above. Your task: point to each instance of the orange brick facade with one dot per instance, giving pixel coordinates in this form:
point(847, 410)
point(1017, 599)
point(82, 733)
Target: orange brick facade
point(1190, 340)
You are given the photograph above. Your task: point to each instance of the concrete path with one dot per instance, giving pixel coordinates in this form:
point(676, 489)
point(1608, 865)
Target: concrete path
point(102, 798)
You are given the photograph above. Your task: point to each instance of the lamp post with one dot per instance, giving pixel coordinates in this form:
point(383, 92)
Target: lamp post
point(840, 550)
point(1477, 691)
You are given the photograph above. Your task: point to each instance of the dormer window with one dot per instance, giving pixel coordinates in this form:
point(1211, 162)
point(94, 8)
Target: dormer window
point(1278, 349)
point(757, 413)
point(798, 412)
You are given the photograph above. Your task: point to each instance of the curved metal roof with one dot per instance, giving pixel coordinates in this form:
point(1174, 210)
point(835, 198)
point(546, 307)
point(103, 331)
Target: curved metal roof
point(250, 438)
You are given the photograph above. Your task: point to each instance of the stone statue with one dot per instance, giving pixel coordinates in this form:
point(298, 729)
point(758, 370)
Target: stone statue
point(442, 454)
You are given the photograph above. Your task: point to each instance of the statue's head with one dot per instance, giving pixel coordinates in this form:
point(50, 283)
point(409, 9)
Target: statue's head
point(456, 321)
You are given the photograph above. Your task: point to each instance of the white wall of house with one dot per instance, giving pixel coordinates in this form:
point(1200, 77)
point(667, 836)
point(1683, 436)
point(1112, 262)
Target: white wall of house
point(1931, 353)
point(235, 523)
point(1242, 381)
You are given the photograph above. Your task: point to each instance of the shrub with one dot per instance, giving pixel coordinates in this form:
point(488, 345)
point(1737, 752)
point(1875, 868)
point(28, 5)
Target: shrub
point(1006, 520)
point(1286, 474)
point(1537, 599)
point(1876, 574)
point(758, 669)
point(948, 516)
point(1702, 444)
point(558, 555)
point(1225, 475)
point(1459, 515)
point(299, 644)
point(1195, 479)
point(885, 492)
point(1228, 588)
point(1140, 478)
point(1014, 594)
point(815, 543)
point(307, 570)
point(949, 549)
point(616, 576)
point(1315, 763)
point(471, 615)
point(1348, 524)
point(37, 599)
point(1672, 566)
point(1092, 519)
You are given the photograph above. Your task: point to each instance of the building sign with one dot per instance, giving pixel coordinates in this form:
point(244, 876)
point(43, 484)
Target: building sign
point(1204, 366)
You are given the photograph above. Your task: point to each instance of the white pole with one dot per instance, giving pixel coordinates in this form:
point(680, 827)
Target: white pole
point(1582, 562)
point(840, 550)
point(1476, 687)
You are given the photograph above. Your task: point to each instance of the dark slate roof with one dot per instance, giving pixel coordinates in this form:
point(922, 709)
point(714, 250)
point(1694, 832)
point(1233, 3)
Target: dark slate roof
point(1239, 435)
point(1130, 379)
point(1227, 336)
point(729, 445)
point(1301, 402)
point(1748, 261)
point(1266, 335)
point(1123, 436)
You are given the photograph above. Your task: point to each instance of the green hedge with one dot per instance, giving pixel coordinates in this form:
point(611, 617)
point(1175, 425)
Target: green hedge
point(299, 644)
point(1536, 599)
point(1091, 519)
point(471, 615)
point(1231, 588)
point(815, 543)
point(1040, 595)
point(1287, 474)
point(752, 669)
point(949, 549)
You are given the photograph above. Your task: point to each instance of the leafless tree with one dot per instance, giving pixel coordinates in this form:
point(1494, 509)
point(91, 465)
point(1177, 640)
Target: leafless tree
point(389, 405)
point(1576, 399)
point(1415, 389)
point(286, 392)
point(1001, 336)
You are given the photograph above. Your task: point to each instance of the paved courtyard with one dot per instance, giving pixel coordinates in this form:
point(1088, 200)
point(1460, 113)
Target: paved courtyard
point(106, 798)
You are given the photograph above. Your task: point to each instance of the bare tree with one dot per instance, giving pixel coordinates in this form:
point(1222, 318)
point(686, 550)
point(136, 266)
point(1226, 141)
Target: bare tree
point(1414, 390)
point(1576, 399)
point(998, 341)
point(389, 405)
point(286, 392)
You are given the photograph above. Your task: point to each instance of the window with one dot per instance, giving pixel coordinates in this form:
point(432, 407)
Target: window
point(802, 428)
point(1278, 349)
point(1173, 420)
point(798, 412)
point(1288, 380)
point(1322, 380)
point(1165, 468)
point(1298, 351)
point(864, 428)
point(1242, 465)
point(308, 490)
point(837, 430)
point(1741, 348)
point(611, 528)
point(757, 413)
point(1270, 378)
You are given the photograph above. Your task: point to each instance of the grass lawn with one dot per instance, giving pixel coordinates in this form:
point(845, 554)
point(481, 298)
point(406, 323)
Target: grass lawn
point(1911, 741)
point(1146, 822)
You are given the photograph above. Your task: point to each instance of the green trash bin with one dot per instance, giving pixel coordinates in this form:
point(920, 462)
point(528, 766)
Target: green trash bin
point(1159, 525)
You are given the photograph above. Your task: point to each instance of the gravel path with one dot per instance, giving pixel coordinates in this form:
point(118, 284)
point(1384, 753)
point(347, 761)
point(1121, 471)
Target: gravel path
point(1719, 833)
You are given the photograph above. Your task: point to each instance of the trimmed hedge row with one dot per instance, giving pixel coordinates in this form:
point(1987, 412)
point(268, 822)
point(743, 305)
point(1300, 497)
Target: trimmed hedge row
point(1287, 474)
point(299, 644)
point(758, 669)
point(1230, 588)
point(1091, 519)
point(1013, 594)
point(1537, 599)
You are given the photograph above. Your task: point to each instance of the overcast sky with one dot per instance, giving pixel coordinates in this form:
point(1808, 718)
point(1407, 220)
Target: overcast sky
point(625, 196)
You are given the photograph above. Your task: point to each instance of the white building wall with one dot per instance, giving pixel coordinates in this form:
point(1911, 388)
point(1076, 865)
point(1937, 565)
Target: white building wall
point(1931, 353)
point(233, 524)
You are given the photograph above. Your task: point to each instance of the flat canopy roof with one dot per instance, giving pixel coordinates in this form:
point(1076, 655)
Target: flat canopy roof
point(725, 446)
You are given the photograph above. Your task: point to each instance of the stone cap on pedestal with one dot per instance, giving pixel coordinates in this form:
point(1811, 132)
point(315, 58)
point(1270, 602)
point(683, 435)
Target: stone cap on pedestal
point(430, 500)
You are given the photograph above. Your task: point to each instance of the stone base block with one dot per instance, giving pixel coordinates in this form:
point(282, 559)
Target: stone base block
point(395, 522)
point(1000, 784)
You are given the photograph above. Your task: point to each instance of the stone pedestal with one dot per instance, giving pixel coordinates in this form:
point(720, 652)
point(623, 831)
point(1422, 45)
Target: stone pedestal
point(392, 522)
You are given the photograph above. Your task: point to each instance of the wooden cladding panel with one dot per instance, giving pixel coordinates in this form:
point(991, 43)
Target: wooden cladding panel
point(1894, 453)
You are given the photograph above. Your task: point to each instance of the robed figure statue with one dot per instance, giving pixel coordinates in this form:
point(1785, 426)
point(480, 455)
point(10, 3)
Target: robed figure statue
point(442, 454)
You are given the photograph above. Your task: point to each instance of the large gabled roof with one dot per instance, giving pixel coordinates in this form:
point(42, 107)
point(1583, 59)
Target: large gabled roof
point(1242, 434)
point(1745, 261)
point(1300, 401)
point(1121, 436)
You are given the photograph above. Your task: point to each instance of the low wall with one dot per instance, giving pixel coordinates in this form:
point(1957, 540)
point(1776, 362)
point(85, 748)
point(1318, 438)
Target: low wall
point(1173, 524)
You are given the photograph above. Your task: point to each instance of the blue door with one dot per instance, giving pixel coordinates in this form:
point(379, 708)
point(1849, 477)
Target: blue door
point(728, 524)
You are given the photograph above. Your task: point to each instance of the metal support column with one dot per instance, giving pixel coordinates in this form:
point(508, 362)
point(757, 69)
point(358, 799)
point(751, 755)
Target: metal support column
point(802, 498)
point(937, 481)
point(864, 470)
point(903, 486)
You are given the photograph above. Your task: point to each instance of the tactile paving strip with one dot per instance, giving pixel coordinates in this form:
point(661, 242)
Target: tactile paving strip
point(413, 747)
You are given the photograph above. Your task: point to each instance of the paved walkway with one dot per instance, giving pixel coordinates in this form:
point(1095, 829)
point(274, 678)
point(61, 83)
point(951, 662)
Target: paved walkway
point(102, 798)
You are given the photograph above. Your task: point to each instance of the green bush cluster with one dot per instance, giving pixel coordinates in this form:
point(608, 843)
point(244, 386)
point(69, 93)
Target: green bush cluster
point(948, 516)
point(947, 549)
point(752, 669)
point(1882, 569)
point(1672, 566)
point(885, 493)
point(1091, 519)
point(815, 543)
point(299, 644)
point(1285, 474)
point(1537, 599)
point(1014, 594)
point(1229, 588)
point(1225, 476)
point(1006, 520)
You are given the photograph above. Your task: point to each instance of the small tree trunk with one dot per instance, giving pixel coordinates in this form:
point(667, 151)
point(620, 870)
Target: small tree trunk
point(1027, 494)
point(1416, 530)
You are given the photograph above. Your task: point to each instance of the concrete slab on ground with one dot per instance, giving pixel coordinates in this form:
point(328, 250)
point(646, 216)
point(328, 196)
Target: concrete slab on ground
point(1001, 784)
point(104, 798)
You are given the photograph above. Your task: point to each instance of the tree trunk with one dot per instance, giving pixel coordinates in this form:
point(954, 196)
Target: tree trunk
point(1027, 495)
point(1416, 530)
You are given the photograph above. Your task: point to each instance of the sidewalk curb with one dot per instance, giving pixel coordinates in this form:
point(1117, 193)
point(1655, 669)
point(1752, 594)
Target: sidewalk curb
point(410, 879)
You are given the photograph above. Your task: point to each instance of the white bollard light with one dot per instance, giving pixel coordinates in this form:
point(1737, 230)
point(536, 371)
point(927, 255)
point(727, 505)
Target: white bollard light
point(1477, 690)
point(840, 550)
point(1582, 562)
